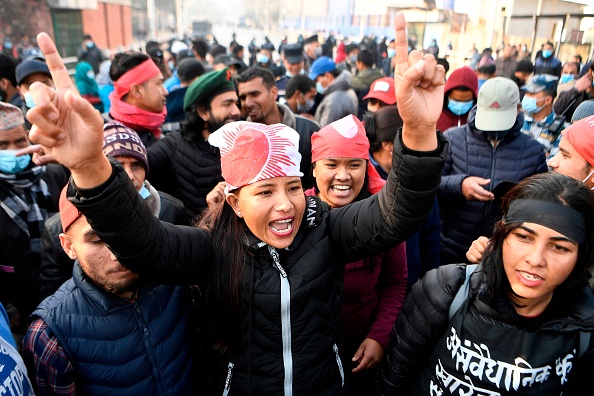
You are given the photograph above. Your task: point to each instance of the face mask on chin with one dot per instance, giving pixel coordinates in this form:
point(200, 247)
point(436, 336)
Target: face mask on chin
point(496, 135)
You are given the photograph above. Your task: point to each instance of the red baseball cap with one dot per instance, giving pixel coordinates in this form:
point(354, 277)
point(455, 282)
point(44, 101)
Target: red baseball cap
point(68, 212)
point(382, 89)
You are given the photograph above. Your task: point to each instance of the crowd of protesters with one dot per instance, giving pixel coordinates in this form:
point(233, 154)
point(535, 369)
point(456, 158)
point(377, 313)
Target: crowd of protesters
point(178, 221)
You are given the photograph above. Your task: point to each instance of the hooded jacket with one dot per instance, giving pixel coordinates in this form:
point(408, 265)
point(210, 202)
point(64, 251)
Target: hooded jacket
point(462, 77)
point(339, 100)
point(471, 153)
point(289, 337)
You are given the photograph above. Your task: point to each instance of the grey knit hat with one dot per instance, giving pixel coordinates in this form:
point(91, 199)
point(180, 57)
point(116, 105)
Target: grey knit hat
point(585, 109)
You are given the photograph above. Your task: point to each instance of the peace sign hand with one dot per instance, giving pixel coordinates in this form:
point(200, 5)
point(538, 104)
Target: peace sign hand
point(67, 125)
point(419, 84)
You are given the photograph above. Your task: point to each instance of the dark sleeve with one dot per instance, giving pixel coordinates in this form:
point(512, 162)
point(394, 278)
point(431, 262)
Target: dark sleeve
point(56, 266)
point(159, 159)
point(450, 186)
point(429, 240)
point(370, 226)
point(566, 102)
point(581, 378)
point(165, 252)
point(418, 328)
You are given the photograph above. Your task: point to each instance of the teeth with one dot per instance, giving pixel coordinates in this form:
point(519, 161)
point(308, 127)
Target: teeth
point(342, 187)
point(284, 221)
point(531, 277)
point(286, 230)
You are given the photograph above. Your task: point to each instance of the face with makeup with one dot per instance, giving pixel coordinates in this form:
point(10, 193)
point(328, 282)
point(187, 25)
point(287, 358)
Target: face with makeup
point(537, 259)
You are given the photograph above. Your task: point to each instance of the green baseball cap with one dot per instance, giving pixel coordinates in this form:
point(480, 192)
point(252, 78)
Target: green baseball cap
point(207, 86)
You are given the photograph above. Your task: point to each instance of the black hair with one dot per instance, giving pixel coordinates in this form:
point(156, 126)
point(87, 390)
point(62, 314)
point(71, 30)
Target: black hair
point(579, 57)
point(217, 50)
point(489, 70)
point(382, 126)
point(366, 58)
point(444, 62)
point(301, 83)
point(255, 72)
point(200, 47)
point(125, 61)
point(8, 69)
point(335, 72)
point(351, 47)
point(549, 187)
point(574, 64)
point(551, 44)
point(224, 277)
point(237, 49)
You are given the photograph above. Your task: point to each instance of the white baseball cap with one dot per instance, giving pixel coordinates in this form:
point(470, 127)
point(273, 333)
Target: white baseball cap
point(497, 105)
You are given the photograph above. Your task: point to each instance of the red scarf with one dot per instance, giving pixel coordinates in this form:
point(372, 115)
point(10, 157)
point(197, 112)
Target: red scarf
point(136, 118)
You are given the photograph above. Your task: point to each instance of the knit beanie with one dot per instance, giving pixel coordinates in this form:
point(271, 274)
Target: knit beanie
point(119, 140)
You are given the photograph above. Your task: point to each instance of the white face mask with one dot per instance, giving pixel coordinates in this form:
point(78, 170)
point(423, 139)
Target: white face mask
point(588, 178)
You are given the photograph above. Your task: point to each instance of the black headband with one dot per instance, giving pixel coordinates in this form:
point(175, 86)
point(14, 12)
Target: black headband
point(561, 218)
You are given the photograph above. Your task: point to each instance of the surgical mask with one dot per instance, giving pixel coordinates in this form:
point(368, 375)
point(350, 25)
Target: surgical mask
point(529, 105)
point(547, 53)
point(91, 74)
point(320, 88)
point(460, 108)
point(144, 192)
point(481, 81)
point(262, 58)
point(8, 44)
point(90, 44)
point(10, 163)
point(318, 52)
point(171, 65)
point(392, 52)
point(565, 78)
point(309, 104)
point(29, 100)
point(353, 58)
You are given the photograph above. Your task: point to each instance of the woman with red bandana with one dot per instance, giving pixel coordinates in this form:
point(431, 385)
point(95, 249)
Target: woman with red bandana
point(270, 265)
point(374, 288)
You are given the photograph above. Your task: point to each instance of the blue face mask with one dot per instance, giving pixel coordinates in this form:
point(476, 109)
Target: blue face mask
point(353, 58)
point(529, 105)
point(90, 44)
point(29, 100)
point(460, 108)
point(547, 53)
point(10, 163)
point(91, 74)
point(309, 103)
point(391, 52)
point(320, 88)
point(144, 192)
point(262, 58)
point(8, 44)
point(481, 81)
point(565, 78)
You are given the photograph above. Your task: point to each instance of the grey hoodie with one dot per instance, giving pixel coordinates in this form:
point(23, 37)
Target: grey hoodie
point(339, 100)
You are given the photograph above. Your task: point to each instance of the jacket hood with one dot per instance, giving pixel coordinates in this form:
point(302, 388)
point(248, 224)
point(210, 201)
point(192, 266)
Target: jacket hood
point(462, 77)
point(343, 82)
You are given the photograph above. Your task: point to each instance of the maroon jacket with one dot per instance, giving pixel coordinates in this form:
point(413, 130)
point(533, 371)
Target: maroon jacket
point(462, 77)
point(374, 291)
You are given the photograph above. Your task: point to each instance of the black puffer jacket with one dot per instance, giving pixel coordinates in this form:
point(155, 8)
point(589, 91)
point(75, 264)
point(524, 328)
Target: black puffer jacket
point(424, 337)
point(186, 169)
point(308, 342)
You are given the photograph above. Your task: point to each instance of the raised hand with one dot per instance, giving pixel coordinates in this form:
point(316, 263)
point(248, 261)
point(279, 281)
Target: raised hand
point(419, 84)
point(67, 126)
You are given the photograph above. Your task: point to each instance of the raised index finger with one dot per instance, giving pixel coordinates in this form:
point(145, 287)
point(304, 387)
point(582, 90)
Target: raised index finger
point(401, 42)
point(54, 62)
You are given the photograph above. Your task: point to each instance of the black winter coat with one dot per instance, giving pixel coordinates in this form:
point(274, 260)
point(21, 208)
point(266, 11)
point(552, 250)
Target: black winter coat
point(313, 266)
point(186, 169)
point(423, 327)
point(21, 287)
point(516, 157)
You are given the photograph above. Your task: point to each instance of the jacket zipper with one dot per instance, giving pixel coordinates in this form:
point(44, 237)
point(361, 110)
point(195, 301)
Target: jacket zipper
point(149, 349)
point(285, 321)
point(339, 363)
point(228, 379)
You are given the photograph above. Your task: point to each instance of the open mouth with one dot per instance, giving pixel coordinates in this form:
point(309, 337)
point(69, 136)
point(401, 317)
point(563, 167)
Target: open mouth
point(282, 227)
point(341, 190)
point(530, 277)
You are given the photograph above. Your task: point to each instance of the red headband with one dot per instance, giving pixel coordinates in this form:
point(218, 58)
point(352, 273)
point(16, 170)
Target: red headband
point(135, 76)
point(345, 138)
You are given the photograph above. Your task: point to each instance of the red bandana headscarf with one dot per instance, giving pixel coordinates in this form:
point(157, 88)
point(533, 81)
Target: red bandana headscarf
point(251, 152)
point(345, 138)
point(130, 115)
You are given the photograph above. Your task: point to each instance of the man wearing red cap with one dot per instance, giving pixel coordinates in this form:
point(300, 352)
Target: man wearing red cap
point(139, 97)
point(381, 94)
point(104, 303)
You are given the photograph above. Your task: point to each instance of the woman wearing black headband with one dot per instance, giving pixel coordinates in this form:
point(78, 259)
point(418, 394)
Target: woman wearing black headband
point(522, 322)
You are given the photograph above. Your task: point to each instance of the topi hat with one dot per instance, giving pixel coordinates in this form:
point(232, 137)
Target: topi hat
point(10, 117)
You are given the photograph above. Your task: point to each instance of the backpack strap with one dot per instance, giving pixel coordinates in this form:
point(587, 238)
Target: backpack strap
point(462, 292)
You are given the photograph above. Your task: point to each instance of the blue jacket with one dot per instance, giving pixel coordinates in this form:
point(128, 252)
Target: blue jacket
point(516, 157)
point(118, 347)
